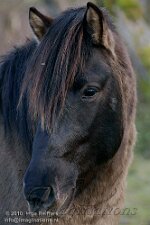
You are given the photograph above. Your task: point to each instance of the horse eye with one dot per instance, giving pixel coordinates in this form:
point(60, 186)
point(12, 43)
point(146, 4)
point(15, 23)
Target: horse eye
point(89, 92)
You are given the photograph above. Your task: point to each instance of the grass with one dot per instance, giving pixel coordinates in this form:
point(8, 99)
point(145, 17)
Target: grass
point(143, 129)
point(138, 193)
point(138, 188)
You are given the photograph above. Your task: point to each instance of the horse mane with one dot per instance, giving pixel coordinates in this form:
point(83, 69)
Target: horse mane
point(60, 56)
point(12, 71)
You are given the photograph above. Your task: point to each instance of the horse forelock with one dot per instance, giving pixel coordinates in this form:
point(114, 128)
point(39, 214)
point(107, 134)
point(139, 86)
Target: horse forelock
point(60, 56)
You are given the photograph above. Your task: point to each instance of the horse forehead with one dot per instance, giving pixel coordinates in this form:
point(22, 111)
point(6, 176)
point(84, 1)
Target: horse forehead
point(97, 65)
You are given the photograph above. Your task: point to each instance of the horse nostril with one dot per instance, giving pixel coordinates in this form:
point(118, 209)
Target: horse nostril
point(40, 197)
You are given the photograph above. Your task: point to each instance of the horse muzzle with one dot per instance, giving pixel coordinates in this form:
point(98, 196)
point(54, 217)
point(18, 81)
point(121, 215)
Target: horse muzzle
point(46, 189)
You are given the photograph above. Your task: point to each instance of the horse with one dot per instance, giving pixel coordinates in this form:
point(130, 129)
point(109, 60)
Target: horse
point(67, 120)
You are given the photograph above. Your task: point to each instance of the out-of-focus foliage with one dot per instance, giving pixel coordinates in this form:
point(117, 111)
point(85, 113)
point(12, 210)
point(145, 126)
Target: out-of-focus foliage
point(144, 54)
point(131, 8)
point(144, 84)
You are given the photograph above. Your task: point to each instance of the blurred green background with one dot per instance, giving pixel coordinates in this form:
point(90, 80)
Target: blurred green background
point(132, 18)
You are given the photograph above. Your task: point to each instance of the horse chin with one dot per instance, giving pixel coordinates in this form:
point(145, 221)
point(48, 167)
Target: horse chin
point(65, 205)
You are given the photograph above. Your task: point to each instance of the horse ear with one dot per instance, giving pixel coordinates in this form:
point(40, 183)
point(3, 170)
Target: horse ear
point(39, 22)
point(98, 28)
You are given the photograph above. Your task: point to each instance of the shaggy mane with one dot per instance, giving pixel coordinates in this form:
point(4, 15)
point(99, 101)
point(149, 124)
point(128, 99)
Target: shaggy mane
point(60, 56)
point(12, 71)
